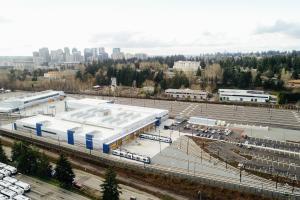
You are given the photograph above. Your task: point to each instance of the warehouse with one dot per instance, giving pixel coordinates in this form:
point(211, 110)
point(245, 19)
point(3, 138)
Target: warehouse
point(103, 126)
point(19, 103)
point(243, 95)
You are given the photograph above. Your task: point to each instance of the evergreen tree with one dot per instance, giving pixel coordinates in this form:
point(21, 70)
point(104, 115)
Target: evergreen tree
point(17, 150)
point(110, 188)
point(3, 157)
point(64, 172)
point(44, 168)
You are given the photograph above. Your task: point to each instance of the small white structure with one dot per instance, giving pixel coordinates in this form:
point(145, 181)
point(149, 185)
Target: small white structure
point(19, 103)
point(243, 95)
point(187, 93)
point(206, 121)
point(186, 66)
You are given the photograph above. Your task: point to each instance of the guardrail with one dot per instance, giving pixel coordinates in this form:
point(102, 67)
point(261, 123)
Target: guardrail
point(100, 158)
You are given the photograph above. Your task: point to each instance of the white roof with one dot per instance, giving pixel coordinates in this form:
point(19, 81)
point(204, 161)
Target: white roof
point(74, 103)
point(185, 91)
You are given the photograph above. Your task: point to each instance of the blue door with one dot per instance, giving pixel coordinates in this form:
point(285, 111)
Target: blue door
point(70, 137)
point(38, 129)
point(89, 141)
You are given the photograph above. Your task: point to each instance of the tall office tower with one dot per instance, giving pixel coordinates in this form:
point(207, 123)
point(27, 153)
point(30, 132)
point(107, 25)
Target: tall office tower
point(88, 55)
point(44, 55)
point(117, 54)
point(102, 55)
point(67, 55)
point(74, 50)
point(36, 58)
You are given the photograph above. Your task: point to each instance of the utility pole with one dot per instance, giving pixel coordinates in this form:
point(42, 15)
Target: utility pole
point(187, 148)
point(240, 174)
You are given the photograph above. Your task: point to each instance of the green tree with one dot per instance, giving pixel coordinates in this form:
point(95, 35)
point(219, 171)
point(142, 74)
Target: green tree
point(44, 168)
point(110, 188)
point(3, 157)
point(64, 172)
point(17, 150)
point(27, 161)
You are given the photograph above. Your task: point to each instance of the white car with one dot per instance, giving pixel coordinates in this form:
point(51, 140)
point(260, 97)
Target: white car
point(10, 179)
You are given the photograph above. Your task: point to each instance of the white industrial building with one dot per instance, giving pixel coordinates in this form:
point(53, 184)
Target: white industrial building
point(95, 124)
point(187, 93)
point(243, 95)
point(186, 66)
point(18, 103)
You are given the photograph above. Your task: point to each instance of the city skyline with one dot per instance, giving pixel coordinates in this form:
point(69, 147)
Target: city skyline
point(153, 27)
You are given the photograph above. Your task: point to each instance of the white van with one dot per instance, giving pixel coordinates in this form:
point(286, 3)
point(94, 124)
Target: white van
point(5, 172)
point(16, 189)
point(10, 179)
point(21, 197)
point(24, 186)
point(9, 193)
point(2, 165)
point(5, 184)
point(12, 169)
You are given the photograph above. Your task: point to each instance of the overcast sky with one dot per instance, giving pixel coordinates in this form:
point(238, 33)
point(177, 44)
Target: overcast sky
point(156, 27)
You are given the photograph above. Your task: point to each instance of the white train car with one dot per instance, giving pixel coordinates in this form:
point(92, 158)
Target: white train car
point(21, 197)
point(5, 172)
point(9, 193)
point(25, 186)
point(155, 137)
point(10, 179)
point(16, 189)
point(12, 169)
point(131, 156)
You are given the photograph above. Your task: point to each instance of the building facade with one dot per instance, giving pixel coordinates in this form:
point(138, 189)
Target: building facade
point(187, 94)
point(187, 66)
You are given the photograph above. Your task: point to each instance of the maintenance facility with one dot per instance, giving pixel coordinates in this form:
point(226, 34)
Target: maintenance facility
point(95, 124)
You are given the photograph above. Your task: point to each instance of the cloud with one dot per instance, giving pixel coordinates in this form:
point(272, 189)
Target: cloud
point(4, 20)
point(129, 40)
point(283, 27)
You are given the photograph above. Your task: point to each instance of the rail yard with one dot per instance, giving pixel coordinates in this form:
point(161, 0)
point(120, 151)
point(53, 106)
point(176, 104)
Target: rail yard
point(239, 152)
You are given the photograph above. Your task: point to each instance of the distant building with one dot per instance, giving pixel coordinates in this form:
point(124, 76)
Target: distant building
point(95, 54)
point(294, 83)
point(187, 66)
point(57, 56)
point(102, 55)
point(141, 56)
point(44, 55)
point(23, 65)
point(187, 93)
point(234, 95)
point(55, 75)
point(117, 54)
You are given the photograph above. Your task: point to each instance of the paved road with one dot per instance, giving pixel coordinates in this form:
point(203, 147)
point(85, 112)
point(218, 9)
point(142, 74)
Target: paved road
point(41, 190)
point(229, 113)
